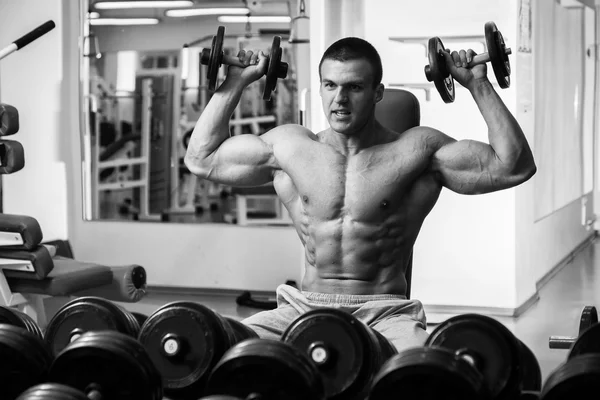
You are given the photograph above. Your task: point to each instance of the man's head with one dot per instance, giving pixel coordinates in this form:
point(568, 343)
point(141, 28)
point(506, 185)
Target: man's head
point(350, 72)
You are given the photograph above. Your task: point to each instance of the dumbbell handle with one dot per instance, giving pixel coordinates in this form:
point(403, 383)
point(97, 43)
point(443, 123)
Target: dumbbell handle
point(561, 342)
point(483, 58)
point(227, 60)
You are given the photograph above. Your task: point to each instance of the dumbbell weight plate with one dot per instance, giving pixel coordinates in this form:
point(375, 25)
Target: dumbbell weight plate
point(140, 317)
point(579, 378)
point(497, 51)
point(495, 349)
point(17, 318)
point(25, 360)
point(216, 57)
point(531, 373)
point(185, 340)
point(276, 68)
point(589, 317)
point(52, 391)
point(113, 362)
point(240, 331)
point(82, 315)
point(587, 342)
point(346, 352)
point(269, 368)
point(422, 373)
point(437, 72)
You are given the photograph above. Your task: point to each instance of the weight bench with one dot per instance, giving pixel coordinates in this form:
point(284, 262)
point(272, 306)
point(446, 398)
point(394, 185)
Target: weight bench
point(32, 271)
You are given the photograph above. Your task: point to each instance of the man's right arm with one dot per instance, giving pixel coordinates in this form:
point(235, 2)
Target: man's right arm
point(244, 160)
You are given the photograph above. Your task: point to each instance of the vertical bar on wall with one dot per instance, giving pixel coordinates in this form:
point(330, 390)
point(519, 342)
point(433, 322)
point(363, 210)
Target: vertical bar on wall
point(84, 120)
point(146, 114)
point(596, 121)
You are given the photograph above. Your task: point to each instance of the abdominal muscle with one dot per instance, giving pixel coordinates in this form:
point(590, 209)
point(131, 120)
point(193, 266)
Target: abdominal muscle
point(350, 257)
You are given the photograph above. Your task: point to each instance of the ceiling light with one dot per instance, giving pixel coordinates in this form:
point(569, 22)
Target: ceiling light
point(193, 12)
point(93, 14)
point(255, 19)
point(123, 21)
point(113, 5)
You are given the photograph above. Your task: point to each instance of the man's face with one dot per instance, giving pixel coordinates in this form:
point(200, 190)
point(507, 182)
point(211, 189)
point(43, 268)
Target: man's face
point(347, 94)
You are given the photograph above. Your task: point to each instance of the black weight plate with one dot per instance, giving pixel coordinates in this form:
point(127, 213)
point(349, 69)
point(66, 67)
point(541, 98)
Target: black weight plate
point(529, 396)
point(113, 363)
point(30, 323)
point(497, 52)
point(427, 373)
point(587, 342)
point(81, 315)
point(126, 321)
point(185, 340)
point(268, 368)
point(579, 378)
point(273, 68)
point(140, 317)
point(387, 349)
point(8, 316)
point(133, 325)
point(341, 346)
point(220, 397)
point(52, 391)
point(495, 349)
point(216, 57)
point(25, 360)
point(531, 373)
point(589, 317)
point(437, 72)
point(240, 331)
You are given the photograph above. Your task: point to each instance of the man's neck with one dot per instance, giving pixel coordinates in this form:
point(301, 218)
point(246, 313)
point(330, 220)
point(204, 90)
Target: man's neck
point(352, 143)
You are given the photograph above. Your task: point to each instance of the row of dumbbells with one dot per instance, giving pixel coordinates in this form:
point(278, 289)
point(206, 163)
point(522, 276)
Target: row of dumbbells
point(185, 350)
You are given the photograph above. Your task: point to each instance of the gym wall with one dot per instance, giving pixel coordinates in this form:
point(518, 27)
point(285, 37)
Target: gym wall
point(489, 250)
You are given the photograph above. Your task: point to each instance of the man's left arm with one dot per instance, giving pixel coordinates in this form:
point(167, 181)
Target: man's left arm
point(473, 167)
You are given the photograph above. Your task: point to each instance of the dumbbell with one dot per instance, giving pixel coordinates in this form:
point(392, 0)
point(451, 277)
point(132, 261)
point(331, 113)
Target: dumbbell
point(346, 352)
point(24, 360)
point(214, 58)
point(107, 365)
point(52, 391)
point(469, 356)
point(258, 368)
point(579, 376)
point(185, 340)
point(15, 317)
point(589, 317)
point(87, 313)
point(497, 54)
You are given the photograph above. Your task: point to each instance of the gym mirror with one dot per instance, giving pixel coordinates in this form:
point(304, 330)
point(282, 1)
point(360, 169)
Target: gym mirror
point(143, 89)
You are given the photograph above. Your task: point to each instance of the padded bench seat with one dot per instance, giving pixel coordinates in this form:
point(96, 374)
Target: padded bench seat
point(67, 276)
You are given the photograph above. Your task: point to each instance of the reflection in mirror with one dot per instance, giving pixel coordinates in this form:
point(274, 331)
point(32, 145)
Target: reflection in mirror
point(144, 88)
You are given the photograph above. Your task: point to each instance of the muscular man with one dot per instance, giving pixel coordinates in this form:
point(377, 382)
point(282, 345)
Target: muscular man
point(358, 193)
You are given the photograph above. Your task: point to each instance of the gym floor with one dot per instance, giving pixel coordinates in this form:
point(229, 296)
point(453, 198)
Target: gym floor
point(556, 312)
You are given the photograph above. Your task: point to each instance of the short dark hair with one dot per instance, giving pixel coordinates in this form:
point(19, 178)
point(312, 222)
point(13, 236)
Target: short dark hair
point(353, 48)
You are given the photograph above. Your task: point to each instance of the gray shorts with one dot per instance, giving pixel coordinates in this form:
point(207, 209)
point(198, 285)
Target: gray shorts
point(400, 320)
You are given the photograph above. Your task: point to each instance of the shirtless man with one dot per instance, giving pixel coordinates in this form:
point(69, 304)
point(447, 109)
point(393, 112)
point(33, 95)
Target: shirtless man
point(357, 192)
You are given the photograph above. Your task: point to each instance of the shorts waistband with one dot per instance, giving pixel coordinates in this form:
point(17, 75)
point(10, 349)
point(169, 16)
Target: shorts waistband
point(349, 299)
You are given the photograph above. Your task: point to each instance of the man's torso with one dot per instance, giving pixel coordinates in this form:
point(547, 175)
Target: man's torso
point(357, 215)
